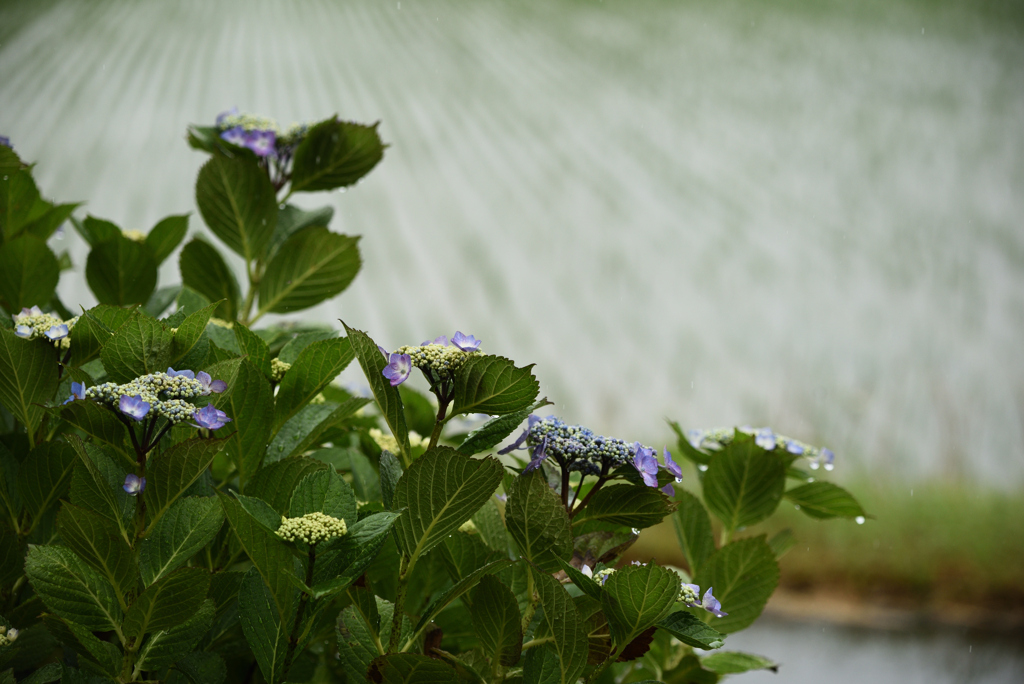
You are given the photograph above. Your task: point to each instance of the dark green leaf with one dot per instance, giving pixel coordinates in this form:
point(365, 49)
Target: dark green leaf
point(253, 348)
point(420, 413)
point(290, 352)
point(203, 667)
point(173, 471)
point(96, 230)
point(71, 589)
point(96, 656)
point(28, 272)
point(692, 631)
point(140, 346)
point(496, 429)
point(458, 589)
point(441, 490)
point(249, 402)
point(303, 430)
point(168, 602)
point(390, 474)
point(97, 484)
point(825, 500)
point(238, 203)
point(686, 449)
point(734, 662)
point(744, 483)
point(28, 376)
point(743, 574)
point(491, 526)
point(634, 506)
point(166, 236)
point(493, 385)
point(276, 482)
point(269, 554)
point(693, 528)
point(99, 542)
point(188, 332)
point(585, 584)
point(636, 597)
point(96, 421)
point(563, 622)
point(324, 491)
point(410, 668)
point(52, 218)
point(44, 476)
point(316, 367)
point(335, 154)
point(291, 219)
point(93, 329)
point(355, 552)
point(189, 525)
point(311, 266)
point(164, 648)
point(537, 522)
point(161, 299)
point(496, 619)
point(261, 512)
point(204, 270)
point(781, 542)
point(121, 271)
point(388, 399)
point(262, 625)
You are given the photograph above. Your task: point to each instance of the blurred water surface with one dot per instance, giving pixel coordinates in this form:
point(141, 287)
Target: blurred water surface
point(803, 214)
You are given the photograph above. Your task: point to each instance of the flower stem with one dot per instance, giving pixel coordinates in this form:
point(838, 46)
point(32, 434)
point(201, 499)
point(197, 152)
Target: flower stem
point(593, 490)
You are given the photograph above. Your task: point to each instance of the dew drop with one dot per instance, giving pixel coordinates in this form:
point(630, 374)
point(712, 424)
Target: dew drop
point(702, 467)
point(829, 466)
point(810, 479)
point(796, 506)
point(679, 479)
point(814, 465)
point(636, 531)
point(859, 519)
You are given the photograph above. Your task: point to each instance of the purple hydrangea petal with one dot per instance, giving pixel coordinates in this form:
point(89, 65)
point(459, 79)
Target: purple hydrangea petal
point(133, 407)
point(223, 115)
point(383, 351)
point(235, 136)
point(712, 605)
point(210, 417)
point(183, 373)
point(57, 332)
point(671, 466)
point(398, 369)
point(539, 454)
point(794, 448)
point(827, 457)
point(465, 342)
point(209, 384)
point(645, 462)
point(23, 331)
point(77, 392)
point(133, 484)
point(668, 490)
point(6, 142)
point(765, 439)
point(261, 142)
point(440, 339)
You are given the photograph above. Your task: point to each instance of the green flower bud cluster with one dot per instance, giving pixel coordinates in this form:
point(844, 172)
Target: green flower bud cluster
point(135, 235)
point(687, 595)
point(442, 360)
point(389, 443)
point(601, 576)
point(311, 528)
point(7, 636)
point(165, 394)
point(278, 368)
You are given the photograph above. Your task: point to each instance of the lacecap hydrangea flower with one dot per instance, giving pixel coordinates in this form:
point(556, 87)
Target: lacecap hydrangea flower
point(688, 595)
point(439, 358)
point(260, 134)
point(33, 323)
point(716, 438)
point(572, 446)
point(312, 528)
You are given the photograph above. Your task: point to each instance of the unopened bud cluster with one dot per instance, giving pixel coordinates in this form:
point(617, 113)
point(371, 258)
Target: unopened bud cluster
point(688, 595)
point(717, 438)
point(577, 448)
point(443, 360)
point(278, 368)
point(387, 442)
point(7, 636)
point(33, 323)
point(165, 394)
point(311, 528)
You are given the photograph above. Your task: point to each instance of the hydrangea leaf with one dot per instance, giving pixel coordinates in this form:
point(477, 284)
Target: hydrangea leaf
point(693, 529)
point(335, 154)
point(781, 542)
point(390, 474)
point(189, 331)
point(249, 400)
point(29, 272)
point(441, 490)
point(189, 524)
point(691, 630)
point(314, 264)
point(141, 345)
point(734, 662)
point(389, 401)
point(537, 522)
point(491, 526)
point(324, 491)
point(491, 433)
point(272, 558)
point(204, 270)
point(411, 668)
point(166, 647)
point(27, 377)
point(95, 230)
point(238, 203)
point(165, 236)
point(825, 500)
point(253, 348)
point(497, 621)
point(317, 365)
point(71, 589)
point(744, 483)
point(97, 656)
point(44, 476)
point(168, 602)
point(623, 505)
point(121, 271)
point(743, 574)
point(686, 449)
point(291, 219)
point(203, 667)
point(457, 590)
point(563, 623)
point(171, 472)
point(94, 329)
point(265, 631)
point(97, 485)
point(99, 542)
point(346, 562)
point(290, 352)
point(304, 429)
point(493, 385)
point(276, 482)
point(161, 300)
point(636, 597)
point(585, 584)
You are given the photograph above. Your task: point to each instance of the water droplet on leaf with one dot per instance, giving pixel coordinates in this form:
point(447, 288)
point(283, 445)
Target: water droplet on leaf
point(859, 519)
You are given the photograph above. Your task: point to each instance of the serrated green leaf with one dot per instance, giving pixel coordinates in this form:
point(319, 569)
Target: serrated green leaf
point(624, 505)
point(269, 554)
point(238, 203)
point(389, 401)
point(12, 555)
point(314, 264)
point(188, 332)
point(390, 474)
point(324, 491)
point(189, 525)
point(71, 589)
point(734, 662)
point(537, 522)
point(261, 512)
point(96, 421)
point(141, 345)
point(29, 272)
point(303, 430)
point(290, 352)
point(291, 219)
point(28, 376)
point(203, 667)
point(457, 590)
point(493, 385)
point(693, 529)
point(44, 476)
point(100, 657)
point(168, 602)
point(254, 349)
point(563, 622)
point(462, 553)
point(275, 482)
point(166, 235)
point(121, 271)
point(585, 584)
point(491, 526)
point(249, 402)
point(170, 473)
point(204, 270)
point(160, 300)
point(743, 483)
point(496, 429)
point(743, 574)
point(99, 542)
point(824, 500)
point(441, 490)
point(95, 230)
point(97, 484)
point(692, 631)
point(93, 329)
point(19, 198)
point(781, 542)
point(264, 630)
point(317, 365)
point(636, 597)
point(51, 219)
point(497, 621)
point(410, 668)
point(345, 563)
point(335, 154)
point(164, 648)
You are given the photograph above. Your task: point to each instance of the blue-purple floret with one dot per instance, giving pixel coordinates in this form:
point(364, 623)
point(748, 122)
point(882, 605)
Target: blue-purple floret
point(6, 142)
point(646, 463)
point(717, 438)
point(398, 369)
point(572, 446)
point(210, 418)
point(133, 407)
point(134, 485)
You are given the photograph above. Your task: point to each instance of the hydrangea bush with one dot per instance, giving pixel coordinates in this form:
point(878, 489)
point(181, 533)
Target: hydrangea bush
point(188, 499)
